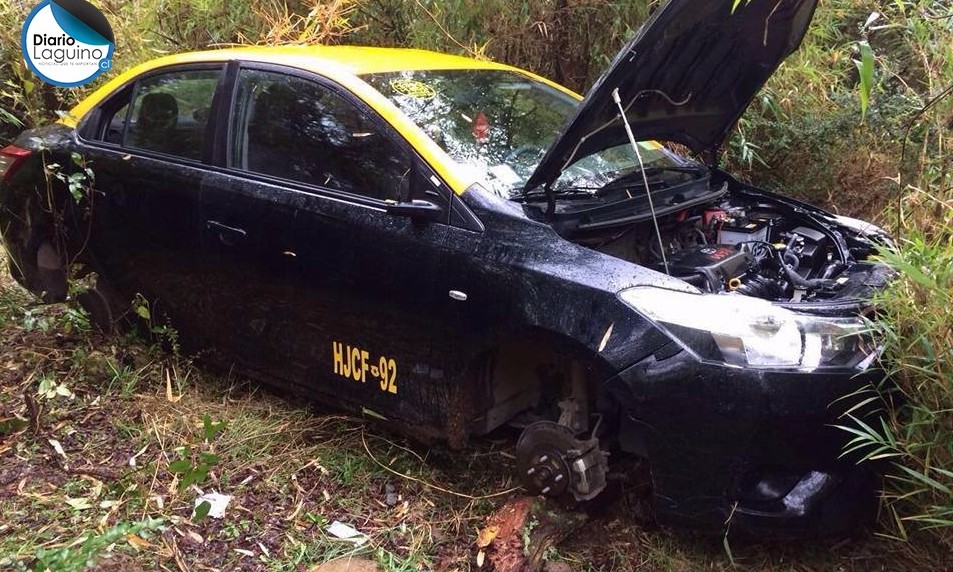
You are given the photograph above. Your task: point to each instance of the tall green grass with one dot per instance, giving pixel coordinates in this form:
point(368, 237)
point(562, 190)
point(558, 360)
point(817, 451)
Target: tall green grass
point(916, 330)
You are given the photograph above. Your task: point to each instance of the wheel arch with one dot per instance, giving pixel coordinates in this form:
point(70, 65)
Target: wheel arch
point(531, 369)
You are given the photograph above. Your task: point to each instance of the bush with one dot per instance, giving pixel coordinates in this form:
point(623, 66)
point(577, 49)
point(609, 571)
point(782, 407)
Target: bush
point(916, 330)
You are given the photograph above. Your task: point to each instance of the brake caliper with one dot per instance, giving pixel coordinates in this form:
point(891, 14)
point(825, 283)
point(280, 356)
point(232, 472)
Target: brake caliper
point(554, 463)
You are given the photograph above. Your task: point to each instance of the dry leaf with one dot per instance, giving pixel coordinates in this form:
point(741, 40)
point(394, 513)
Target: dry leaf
point(486, 536)
point(58, 448)
point(168, 389)
point(137, 542)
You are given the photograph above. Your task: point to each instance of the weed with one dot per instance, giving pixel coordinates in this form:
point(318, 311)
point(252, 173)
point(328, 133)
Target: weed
point(51, 389)
point(916, 329)
point(82, 553)
point(192, 469)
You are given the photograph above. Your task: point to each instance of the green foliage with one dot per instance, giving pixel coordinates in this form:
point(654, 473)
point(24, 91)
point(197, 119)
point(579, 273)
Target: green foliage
point(211, 429)
point(159, 333)
point(192, 469)
point(831, 125)
point(82, 554)
point(916, 329)
point(79, 182)
point(570, 41)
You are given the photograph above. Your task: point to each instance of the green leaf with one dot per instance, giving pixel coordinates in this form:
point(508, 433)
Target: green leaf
point(180, 466)
point(143, 312)
point(866, 69)
point(211, 429)
point(926, 479)
point(79, 504)
point(201, 511)
point(47, 386)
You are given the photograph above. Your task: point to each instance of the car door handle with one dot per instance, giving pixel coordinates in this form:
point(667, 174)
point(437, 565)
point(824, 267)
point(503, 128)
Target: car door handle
point(226, 234)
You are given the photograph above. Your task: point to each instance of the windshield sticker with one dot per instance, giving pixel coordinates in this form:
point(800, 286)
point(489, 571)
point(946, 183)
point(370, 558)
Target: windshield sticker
point(413, 88)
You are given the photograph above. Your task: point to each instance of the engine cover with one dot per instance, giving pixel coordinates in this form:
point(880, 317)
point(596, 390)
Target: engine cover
point(709, 267)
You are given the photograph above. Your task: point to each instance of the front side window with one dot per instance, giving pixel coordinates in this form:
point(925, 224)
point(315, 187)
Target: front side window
point(170, 114)
point(296, 129)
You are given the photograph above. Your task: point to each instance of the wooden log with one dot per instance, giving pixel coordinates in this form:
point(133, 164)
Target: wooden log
point(517, 536)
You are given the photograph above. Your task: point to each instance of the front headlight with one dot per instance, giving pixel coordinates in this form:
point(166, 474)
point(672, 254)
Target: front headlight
point(750, 332)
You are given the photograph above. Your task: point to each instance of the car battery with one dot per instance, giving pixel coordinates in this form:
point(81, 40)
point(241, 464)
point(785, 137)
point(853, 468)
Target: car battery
point(747, 231)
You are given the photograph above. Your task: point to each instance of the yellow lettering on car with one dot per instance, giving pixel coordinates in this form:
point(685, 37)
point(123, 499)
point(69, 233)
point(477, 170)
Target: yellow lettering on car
point(356, 364)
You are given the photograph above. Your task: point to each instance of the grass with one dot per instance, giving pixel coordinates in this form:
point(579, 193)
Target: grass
point(88, 476)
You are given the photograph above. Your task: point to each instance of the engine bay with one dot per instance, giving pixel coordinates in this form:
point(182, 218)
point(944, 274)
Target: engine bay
point(748, 245)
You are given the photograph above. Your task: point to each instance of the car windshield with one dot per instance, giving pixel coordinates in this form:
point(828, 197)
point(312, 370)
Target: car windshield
point(501, 123)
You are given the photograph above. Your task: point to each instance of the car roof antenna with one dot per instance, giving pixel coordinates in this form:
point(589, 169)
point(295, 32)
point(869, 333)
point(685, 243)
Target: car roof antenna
point(645, 178)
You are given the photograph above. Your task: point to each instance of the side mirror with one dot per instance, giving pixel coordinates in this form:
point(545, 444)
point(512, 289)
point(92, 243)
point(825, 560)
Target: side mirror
point(416, 209)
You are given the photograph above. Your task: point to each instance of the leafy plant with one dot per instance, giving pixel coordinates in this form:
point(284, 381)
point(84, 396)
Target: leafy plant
point(51, 389)
point(82, 554)
point(210, 428)
point(79, 183)
point(192, 470)
point(159, 333)
point(916, 329)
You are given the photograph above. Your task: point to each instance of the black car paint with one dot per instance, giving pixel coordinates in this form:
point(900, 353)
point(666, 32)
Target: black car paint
point(217, 260)
point(714, 432)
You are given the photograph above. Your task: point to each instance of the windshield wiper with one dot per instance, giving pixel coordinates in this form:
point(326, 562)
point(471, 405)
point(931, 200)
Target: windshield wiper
point(564, 193)
point(637, 178)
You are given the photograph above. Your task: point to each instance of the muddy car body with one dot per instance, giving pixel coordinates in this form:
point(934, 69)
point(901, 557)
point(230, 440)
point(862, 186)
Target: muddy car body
point(457, 245)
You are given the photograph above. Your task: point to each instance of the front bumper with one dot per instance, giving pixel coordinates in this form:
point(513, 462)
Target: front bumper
point(754, 451)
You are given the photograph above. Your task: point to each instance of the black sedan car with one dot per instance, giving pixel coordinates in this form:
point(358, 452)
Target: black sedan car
point(459, 245)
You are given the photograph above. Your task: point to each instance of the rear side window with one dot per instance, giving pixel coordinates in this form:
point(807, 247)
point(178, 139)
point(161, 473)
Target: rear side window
point(297, 129)
point(169, 114)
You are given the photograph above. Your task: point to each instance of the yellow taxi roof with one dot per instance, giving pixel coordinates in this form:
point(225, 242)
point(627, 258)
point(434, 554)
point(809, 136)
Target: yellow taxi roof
point(330, 61)
point(360, 60)
point(343, 64)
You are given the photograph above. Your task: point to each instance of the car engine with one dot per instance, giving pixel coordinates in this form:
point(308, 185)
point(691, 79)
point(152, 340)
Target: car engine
point(748, 248)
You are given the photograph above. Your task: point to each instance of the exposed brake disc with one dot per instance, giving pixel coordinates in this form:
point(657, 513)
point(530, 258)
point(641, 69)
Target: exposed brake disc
point(552, 462)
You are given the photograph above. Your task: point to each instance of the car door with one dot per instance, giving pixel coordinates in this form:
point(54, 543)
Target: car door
point(147, 146)
point(317, 281)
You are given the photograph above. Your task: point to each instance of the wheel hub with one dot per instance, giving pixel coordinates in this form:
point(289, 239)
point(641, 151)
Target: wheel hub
point(552, 462)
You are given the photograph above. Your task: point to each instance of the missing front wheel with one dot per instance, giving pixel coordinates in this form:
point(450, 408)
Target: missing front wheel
point(552, 462)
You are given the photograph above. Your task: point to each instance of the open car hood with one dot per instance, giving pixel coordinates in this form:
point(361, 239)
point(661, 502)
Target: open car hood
point(686, 77)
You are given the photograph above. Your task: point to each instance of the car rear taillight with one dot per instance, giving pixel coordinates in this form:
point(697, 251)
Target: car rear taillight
point(11, 159)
